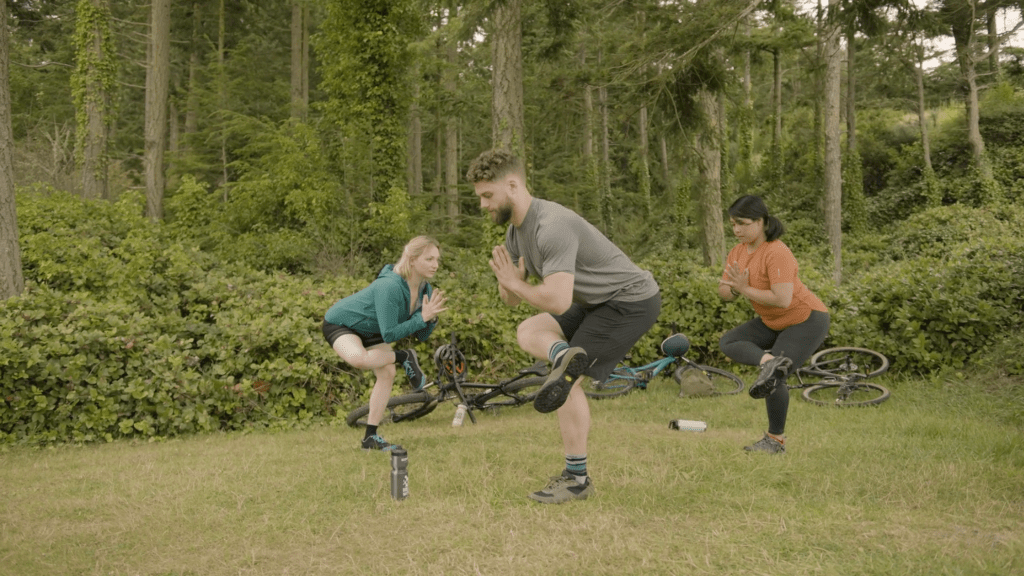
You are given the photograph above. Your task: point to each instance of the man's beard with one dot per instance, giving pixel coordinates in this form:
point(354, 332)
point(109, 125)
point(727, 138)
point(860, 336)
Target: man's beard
point(503, 215)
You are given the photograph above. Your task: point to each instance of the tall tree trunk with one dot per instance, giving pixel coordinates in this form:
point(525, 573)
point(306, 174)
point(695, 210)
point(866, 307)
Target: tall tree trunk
point(934, 195)
point(643, 164)
point(451, 132)
point(776, 167)
point(414, 166)
point(643, 167)
point(192, 100)
point(746, 128)
point(962, 24)
point(993, 43)
point(590, 160)
point(851, 91)
point(666, 174)
point(451, 171)
point(725, 163)
point(604, 168)
point(157, 83)
point(708, 145)
point(833, 163)
point(922, 111)
point(300, 59)
point(12, 282)
point(508, 124)
point(438, 159)
point(94, 79)
point(222, 104)
point(173, 140)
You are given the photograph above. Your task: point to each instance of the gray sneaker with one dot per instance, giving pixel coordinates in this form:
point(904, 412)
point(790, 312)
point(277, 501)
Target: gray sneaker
point(563, 375)
point(563, 488)
point(766, 444)
point(772, 372)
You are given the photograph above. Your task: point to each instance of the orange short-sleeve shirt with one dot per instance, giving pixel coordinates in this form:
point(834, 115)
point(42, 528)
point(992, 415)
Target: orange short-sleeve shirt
point(773, 263)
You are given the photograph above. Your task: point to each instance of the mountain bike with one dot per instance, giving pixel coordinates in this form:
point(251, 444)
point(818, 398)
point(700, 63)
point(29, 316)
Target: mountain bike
point(451, 384)
point(838, 377)
point(625, 378)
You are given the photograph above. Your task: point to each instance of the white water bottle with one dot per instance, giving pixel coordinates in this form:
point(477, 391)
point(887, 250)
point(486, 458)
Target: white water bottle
point(460, 413)
point(688, 425)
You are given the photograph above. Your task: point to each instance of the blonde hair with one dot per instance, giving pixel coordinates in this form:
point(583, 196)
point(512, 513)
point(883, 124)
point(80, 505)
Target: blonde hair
point(413, 250)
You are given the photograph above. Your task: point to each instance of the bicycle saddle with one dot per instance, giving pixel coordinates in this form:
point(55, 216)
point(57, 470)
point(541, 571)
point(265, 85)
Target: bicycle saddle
point(450, 361)
point(539, 368)
point(675, 345)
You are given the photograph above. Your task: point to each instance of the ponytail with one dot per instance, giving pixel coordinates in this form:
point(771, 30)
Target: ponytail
point(754, 208)
point(773, 228)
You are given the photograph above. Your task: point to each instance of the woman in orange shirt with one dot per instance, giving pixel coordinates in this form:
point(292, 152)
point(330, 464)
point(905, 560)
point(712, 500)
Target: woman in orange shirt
point(791, 322)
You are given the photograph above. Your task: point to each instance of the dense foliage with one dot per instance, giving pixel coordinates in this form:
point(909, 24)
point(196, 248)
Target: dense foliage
point(130, 329)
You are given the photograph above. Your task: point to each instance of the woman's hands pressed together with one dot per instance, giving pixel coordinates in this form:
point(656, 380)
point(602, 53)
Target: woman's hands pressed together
point(433, 305)
point(738, 278)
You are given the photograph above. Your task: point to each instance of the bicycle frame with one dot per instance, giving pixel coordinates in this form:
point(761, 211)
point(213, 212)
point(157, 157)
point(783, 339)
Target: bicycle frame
point(474, 402)
point(647, 372)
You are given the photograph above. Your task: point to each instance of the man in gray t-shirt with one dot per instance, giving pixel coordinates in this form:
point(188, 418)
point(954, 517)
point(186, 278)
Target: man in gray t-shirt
point(595, 302)
point(553, 238)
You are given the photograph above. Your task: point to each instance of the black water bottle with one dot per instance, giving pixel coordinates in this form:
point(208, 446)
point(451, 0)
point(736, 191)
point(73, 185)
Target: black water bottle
point(399, 473)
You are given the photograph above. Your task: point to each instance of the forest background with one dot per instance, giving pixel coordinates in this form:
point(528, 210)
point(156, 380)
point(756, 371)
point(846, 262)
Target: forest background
point(186, 188)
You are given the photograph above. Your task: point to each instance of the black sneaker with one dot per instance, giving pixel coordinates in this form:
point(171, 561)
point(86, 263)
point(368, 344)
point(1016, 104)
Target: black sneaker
point(772, 372)
point(562, 489)
point(375, 442)
point(413, 370)
point(563, 375)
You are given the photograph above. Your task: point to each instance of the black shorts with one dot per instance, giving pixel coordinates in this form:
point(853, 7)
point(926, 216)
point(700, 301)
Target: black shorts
point(332, 332)
point(608, 331)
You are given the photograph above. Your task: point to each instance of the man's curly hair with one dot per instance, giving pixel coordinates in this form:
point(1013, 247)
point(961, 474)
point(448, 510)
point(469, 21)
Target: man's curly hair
point(493, 165)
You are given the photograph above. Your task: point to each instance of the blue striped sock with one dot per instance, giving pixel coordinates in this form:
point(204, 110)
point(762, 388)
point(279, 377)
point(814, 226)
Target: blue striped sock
point(577, 466)
point(556, 349)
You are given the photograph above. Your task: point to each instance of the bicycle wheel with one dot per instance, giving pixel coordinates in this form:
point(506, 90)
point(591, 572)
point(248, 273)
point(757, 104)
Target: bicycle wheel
point(404, 407)
point(723, 382)
point(516, 393)
point(619, 382)
point(847, 360)
point(860, 394)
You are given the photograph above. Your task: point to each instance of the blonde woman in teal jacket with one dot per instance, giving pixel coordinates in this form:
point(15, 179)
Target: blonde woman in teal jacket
point(399, 303)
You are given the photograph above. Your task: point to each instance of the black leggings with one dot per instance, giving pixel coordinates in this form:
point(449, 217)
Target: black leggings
point(748, 342)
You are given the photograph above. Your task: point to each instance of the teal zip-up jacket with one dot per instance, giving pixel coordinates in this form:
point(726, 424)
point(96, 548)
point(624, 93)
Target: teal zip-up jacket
point(383, 308)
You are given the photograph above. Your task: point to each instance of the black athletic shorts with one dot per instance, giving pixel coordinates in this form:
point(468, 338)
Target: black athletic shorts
point(608, 331)
point(332, 332)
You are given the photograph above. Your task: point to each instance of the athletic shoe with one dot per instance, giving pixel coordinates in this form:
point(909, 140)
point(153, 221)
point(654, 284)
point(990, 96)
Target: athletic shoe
point(375, 442)
point(772, 372)
point(562, 489)
point(766, 444)
point(413, 371)
point(564, 373)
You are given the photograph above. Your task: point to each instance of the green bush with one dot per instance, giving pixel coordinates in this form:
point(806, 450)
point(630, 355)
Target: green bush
point(932, 233)
point(929, 312)
point(125, 331)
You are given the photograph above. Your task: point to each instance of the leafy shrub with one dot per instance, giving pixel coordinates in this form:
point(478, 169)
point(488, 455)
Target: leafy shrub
point(933, 232)
point(125, 332)
point(1002, 119)
point(928, 312)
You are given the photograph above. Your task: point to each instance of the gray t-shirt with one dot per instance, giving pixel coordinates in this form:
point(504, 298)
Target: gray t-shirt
point(553, 238)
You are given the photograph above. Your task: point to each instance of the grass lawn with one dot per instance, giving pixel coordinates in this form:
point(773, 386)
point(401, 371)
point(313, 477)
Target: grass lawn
point(931, 482)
